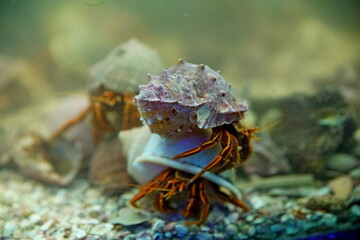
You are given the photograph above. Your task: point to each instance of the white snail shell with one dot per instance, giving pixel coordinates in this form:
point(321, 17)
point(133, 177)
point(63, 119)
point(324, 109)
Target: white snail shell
point(149, 154)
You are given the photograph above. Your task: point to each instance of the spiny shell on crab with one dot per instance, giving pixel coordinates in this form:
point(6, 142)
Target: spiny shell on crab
point(124, 68)
point(149, 154)
point(185, 97)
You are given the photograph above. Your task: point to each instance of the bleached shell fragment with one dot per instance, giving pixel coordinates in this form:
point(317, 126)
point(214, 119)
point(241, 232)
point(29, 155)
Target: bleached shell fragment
point(124, 68)
point(191, 95)
point(149, 154)
point(55, 163)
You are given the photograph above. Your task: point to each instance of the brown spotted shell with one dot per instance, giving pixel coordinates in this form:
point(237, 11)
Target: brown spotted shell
point(124, 68)
point(187, 96)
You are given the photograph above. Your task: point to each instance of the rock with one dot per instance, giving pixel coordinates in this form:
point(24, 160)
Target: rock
point(329, 203)
point(268, 159)
point(311, 127)
point(341, 186)
point(342, 162)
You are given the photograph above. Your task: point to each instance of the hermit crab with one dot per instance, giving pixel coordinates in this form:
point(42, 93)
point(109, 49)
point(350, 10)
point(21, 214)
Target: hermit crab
point(112, 84)
point(197, 139)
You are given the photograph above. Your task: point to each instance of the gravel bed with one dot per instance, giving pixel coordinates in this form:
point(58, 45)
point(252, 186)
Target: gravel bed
point(32, 210)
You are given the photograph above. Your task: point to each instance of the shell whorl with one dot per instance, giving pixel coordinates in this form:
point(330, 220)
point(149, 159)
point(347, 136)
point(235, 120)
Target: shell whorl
point(124, 68)
point(188, 96)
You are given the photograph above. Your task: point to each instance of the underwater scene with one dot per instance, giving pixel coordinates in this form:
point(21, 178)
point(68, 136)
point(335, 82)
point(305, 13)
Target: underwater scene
point(169, 119)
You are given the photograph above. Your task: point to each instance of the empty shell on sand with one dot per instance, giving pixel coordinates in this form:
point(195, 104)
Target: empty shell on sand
point(185, 97)
point(56, 163)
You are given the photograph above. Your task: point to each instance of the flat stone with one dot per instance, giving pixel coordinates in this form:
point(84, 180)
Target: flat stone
point(341, 186)
point(128, 217)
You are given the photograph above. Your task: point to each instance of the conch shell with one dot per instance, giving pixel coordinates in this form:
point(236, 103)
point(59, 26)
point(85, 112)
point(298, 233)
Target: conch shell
point(149, 154)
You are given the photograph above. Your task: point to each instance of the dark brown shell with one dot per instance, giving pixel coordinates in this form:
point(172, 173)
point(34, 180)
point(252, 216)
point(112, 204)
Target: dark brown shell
point(124, 68)
point(187, 96)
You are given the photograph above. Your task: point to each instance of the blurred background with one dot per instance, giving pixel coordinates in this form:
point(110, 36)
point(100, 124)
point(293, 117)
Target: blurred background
point(265, 48)
point(278, 54)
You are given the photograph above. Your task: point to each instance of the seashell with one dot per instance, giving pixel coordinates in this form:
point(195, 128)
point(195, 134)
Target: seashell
point(106, 168)
point(56, 163)
point(185, 97)
point(124, 68)
point(66, 109)
point(149, 154)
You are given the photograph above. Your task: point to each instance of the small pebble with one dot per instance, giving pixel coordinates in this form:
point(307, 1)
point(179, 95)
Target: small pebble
point(233, 217)
point(204, 228)
point(231, 229)
point(34, 218)
point(250, 218)
point(158, 225)
point(203, 236)
point(79, 233)
point(143, 236)
point(157, 236)
point(241, 236)
point(168, 234)
point(251, 231)
point(218, 236)
point(102, 229)
point(329, 220)
point(341, 162)
point(259, 220)
point(46, 225)
point(355, 211)
point(276, 228)
point(181, 230)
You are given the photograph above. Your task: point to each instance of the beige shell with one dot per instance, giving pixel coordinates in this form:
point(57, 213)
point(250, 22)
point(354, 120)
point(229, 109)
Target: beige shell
point(149, 154)
point(124, 68)
point(56, 163)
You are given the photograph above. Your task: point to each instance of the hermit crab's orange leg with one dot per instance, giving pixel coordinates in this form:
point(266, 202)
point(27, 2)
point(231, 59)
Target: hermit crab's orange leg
point(232, 199)
point(198, 191)
point(215, 138)
point(205, 202)
point(71, 122)
point(162, 203)
point(224, 154)
point(99, 117)
point(127, 99)
point(193, 197)
point(151, 186)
